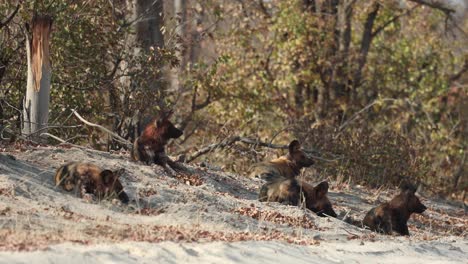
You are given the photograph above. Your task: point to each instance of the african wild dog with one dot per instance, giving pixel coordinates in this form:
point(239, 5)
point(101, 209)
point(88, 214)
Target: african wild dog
point(281, 190)
point(288, 166)
point(394, 215)
point(293, 192)
point(149, 147)
point(316, 198)
point(90, 180)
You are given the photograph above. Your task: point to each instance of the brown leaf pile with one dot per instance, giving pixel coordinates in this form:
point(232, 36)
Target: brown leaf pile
point(147, 192)
point(447, 225)
point(275, 217)
point(69, 215)
point(27, 240)
point(192, 180)
point(5, 211)
point(151, 211)
point(7, 190)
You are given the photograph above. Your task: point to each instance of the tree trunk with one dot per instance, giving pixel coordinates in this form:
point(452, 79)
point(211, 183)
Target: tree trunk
point(150, 17)
point(299, 96)
point(340, 90)
point(180, 15)
point(365, 44)
point(326, 92)
point(36, 104)
point(309, 5)
point(146, 18)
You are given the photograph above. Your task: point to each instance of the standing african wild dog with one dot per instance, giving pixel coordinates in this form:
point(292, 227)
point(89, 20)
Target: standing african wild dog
point(288, 166)
point(292, 191)
point(87, 178)
point(149, 147)
point(394, 215)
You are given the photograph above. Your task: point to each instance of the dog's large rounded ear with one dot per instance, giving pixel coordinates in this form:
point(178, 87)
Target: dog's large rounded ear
point(107, 176)
point(294, 146)
point(322, 189)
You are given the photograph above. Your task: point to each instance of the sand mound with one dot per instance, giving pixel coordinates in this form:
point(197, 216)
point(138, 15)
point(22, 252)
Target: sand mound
point(215, 212)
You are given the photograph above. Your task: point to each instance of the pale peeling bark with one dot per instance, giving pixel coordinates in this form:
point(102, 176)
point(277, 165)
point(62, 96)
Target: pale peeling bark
point(36, 103)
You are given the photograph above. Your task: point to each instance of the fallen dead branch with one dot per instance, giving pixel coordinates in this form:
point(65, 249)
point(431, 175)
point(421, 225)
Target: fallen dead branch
point(117, 138)
point(178, 167)
point(226, 142)
point(231, 140)
point(61, 140)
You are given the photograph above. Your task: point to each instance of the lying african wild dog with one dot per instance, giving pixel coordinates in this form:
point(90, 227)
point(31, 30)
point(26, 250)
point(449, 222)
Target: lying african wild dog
point(288, 166)
point(87, 178)
point(394, 215)
point(149, 147)
point(293, 191)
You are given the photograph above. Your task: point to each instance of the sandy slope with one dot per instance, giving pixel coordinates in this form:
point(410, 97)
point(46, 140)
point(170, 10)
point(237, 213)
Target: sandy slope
point(217, 221)
point(245, 252)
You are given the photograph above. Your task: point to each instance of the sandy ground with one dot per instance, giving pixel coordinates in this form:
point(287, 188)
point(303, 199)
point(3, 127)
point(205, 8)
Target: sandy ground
point(245, 252)
point(208, 217)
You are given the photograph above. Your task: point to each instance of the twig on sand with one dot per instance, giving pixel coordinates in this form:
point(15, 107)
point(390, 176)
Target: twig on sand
point(351, 233)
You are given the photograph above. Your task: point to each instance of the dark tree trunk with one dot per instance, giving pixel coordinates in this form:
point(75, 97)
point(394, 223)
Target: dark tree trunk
point(365, 44)
point(150, 17)
point(309, 5)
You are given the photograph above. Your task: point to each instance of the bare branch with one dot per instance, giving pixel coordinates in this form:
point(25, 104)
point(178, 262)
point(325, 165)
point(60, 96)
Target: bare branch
point(61, 140)
point(231, 140)
point(112, 73)
point(263, 8)
point(352, 118)
point(195, 107)
point(204, 104)
point(460, 73)
point(391, 21)
point(118, 138)
point(209, 148)
point(47, 128)
point(435, 4)
point(11, 16)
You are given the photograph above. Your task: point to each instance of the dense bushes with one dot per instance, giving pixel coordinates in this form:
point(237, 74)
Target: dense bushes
point(378, 89)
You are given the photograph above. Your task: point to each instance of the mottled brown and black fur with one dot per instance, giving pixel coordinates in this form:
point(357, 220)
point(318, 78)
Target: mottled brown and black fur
point(88, 179)
point(293, 191)
point(149, 147)
point(285, 191)
point(288, 166)
point(394, 215)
